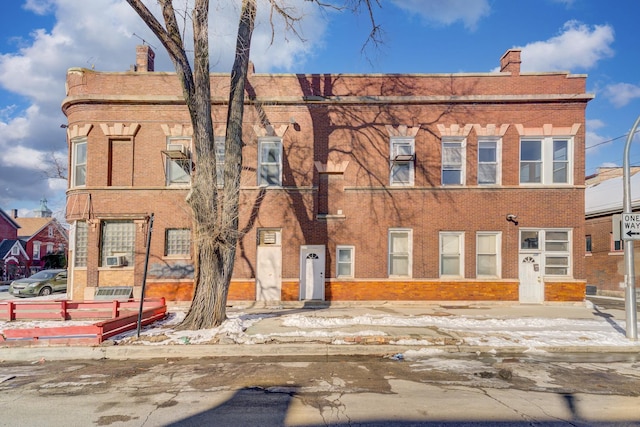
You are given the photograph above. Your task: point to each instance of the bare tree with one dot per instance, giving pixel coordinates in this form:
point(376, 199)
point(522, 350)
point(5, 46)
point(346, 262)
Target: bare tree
point(215, 213)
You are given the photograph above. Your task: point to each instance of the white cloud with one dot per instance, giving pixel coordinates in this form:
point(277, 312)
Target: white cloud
point(449, 12)
point(102, 34)
point(621, 94)
point(578, 46)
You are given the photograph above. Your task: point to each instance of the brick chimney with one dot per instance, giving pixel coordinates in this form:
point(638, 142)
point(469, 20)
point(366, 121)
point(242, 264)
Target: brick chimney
point(510, 62)
point(144, 58)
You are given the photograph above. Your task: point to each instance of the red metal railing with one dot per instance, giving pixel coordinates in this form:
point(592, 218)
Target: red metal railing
point(121, 316)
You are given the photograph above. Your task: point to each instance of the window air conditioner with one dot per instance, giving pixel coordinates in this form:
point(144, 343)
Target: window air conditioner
point(116, 261)
point(177, 147)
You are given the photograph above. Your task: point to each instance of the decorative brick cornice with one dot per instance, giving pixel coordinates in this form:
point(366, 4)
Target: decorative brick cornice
point(268, 130)
point(77, 131)
point(402, 130)
point(491, 130)
point(177, 130)
point(332, 167)
point(548, 130)
point(119, 129)
point(455, 130)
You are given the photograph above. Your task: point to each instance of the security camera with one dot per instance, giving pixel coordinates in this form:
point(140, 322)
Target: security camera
point(512, 218)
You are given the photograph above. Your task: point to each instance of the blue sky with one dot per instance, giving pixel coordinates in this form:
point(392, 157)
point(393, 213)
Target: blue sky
point(41, 39)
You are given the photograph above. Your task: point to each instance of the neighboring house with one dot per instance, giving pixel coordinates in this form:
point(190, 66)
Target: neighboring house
point(15, 261)
point(604, 244)
point(43, 236)
point(355, 187)
point(8, 237)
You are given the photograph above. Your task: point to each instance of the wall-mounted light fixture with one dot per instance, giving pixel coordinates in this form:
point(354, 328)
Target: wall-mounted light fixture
point(512, 218)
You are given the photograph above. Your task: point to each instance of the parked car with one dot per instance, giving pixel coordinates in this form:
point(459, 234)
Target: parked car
point(44, 282)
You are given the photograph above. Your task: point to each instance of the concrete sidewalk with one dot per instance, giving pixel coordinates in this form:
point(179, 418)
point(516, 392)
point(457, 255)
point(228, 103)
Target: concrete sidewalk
point(369, 329)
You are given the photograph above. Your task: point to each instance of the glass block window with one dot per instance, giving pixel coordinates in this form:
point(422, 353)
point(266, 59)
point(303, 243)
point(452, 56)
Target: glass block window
point(81, 244)
point(177, 241)
point(118, 239)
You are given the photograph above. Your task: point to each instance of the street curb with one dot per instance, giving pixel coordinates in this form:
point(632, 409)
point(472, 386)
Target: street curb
point(147, 352)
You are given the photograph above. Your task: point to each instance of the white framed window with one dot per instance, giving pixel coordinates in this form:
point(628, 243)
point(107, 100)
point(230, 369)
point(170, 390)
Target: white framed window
point(555, 247)
point(49, 248)
point(178, 167)
point(402, 151)
point(79, 163)
point(270, 161)
point(546, 161)
point(36, 250)
point(118, 239)
point(453, 161)
point(557, 252)
point(218, 145)
point(489, 164)
point(488, 259)
point(177, 241)
point(15, 250)
point(400, 252)
point(81, 243)
point(50, 231)
point(451, 254)
point(345, 261)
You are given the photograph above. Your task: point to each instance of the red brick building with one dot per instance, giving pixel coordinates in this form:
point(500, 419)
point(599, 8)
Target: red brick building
point(604, 239)
point(355, 187)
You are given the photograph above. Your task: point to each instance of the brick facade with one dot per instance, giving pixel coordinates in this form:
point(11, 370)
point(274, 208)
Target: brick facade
point(335, 188)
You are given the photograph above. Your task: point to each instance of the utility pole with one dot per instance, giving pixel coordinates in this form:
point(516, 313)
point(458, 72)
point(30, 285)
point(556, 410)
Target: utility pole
point(629, 271)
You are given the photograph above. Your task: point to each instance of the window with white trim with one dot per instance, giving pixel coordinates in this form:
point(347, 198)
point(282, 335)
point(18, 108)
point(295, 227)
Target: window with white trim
point(555, 247)
point(49, 248)
point(557, 254)
point(118, 239)
point(400, 252)
point(218, 145)
point(451, 254)
point(345, 261)
point(15, 250)
point(79, 163)
point(489, 161)
point(402, 152)
point(177, 242)
point(546, 161)
point(81, 243)
point(178, 161)
point(50, 231)
point(453, 161)
point(36, 250)
point(270, 161)
point(488, 244)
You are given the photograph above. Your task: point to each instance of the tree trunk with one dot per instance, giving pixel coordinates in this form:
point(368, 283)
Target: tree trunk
point(216, 216)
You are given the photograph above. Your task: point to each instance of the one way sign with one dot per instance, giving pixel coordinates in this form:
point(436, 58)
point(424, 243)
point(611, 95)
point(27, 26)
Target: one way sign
point(631, 226)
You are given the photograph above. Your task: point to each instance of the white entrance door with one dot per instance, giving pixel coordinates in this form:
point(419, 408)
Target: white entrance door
point(530, 275)
point(312, 272)
point(269, 267)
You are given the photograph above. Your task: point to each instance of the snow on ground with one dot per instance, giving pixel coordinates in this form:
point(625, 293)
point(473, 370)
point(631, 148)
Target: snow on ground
point(531, 332)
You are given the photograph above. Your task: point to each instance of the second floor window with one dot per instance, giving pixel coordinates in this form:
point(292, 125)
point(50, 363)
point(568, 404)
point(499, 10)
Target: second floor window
point(453, 159)
point(219, 148)
point(178, 161)
point(402, 161)
point(545, 161)
point(488, 163)
point(79, 163)
point(270, 161)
